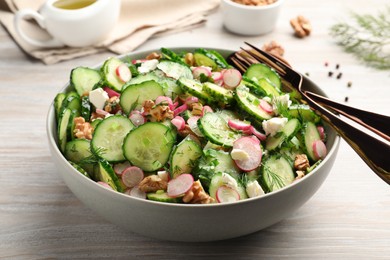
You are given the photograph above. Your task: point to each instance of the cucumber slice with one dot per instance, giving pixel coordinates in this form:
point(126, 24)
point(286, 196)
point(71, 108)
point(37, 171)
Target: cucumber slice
point(141, 78)
point(210, 58)
point(267, 86)
point(79, 151)
point(250, 103)
point(107, 175)
point(184, 157)
point(216, 130)
point(194, 88)
point(162, 196)
point(73, 102)
point(58, 100)
point(79, 169)
point(85, 108)
point(221, 179)
point(63, 125)
point(260, 71)
point(277, 173)
point(304, 113)
point(286, 133)
point(254, 87)
point(310, 135)
point(175, 70)
point(149, 146)
point(84, 79)
point(108, 138)
point(109, 73)
point(134, 95)
point(218, 94)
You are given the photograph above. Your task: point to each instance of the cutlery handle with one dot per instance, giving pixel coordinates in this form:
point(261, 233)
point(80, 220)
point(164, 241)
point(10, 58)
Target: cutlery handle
point(377, 123)
point(374, 152)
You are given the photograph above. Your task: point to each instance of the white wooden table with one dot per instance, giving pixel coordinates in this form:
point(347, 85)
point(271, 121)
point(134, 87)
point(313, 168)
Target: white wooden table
point(349, 217)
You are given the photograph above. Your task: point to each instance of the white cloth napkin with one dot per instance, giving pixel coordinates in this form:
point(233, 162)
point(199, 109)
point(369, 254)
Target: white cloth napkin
point(139, 20)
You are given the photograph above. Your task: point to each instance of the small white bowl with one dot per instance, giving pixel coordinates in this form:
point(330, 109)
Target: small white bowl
point(250, 20)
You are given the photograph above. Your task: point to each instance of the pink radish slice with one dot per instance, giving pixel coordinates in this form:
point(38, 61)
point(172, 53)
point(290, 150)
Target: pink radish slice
point(196, 72)
point(101, 112)
point(137, 118)
point(138, 61)
point(207, 109)
point(111, 93)
point(160, 99)
point(251, 146)
point(231, 78)
point(180, 185)
point(120, 167)
point(132, 176)
point(173, 106)
point(193, 124)
point(321, 131)
point(180, 109)
point(190, 100)
point(266, 106)
point(179, 123)
point(239, 125)
point(105, 185)
point(137, 193)
point(319, 149)
point(123, 72)
point(261, 136)
point(216, 76)
point(227, 194)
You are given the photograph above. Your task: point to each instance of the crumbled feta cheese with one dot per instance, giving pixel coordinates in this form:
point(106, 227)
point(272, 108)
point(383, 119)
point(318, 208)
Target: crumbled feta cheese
point(238, 154)
point(274, 125)
point(229, 181)
point(283, 100)
point(98, 98)
point(163, 175)
point(253, 189)
point(268, 99)
point(148, 66)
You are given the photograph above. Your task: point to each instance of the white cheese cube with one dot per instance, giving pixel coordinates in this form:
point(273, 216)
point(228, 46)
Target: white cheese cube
point(164, 175)
point(98, 98)
point(229, 181)
point(148, 66)
point(238, 154)
point(253, 189)
point(274, 125)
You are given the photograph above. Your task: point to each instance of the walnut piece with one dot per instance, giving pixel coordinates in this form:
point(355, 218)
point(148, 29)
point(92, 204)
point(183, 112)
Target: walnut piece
point(301, 26)
point(189, 59)
point(301, 162)
point(112, 105)
point(300, 175)
point(197, 109)
point(254, 2)
point(82, 129)
point(274, 48)
point(197, 195)
point(153, 56)
point(159, 112)
point(152, 183)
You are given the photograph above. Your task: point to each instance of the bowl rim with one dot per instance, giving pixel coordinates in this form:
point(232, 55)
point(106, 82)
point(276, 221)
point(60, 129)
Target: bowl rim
point(251, 7)
point(51, 125)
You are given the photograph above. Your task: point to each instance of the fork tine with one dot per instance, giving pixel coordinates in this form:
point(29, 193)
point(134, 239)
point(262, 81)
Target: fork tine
point(239, 65)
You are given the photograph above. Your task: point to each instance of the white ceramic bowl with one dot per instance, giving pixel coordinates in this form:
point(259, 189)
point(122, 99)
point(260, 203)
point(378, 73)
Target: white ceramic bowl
point(250, 20)
point(183, 222)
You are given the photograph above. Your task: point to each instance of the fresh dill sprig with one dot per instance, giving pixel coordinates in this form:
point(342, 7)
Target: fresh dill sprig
point(367, 37)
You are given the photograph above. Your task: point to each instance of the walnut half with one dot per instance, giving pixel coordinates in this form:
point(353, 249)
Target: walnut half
point(301, 26)
point(152, 183)
point(197, 195)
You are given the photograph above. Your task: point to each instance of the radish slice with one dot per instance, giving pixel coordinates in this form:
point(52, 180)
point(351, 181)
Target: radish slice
point(196, 72)
point(137, 118)
point(190, 100)
point(179, 123)
point(136, 192)
point(173, 106)
point(266, 106)
point(217, 77)
point(180, 109)
point(321, 131)
point(227, 194)
point(102, 112)
point(180, 185)
point(132, 176)
point(138, 61)
point(160, 99)
point(250, 147)
point(120, 167)
point(207, 109)
point(261, 136)
point(111, 93)
point(105, 185)
point(240, 126)
point(123, 72)
point(193, 124)
point(319, 149)
point(231, 78)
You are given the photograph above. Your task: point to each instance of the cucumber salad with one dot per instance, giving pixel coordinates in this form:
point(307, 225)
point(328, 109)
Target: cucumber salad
point(186, 128)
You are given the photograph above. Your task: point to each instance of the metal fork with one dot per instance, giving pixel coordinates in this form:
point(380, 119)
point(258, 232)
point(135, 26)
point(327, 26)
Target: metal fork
point(374, 151)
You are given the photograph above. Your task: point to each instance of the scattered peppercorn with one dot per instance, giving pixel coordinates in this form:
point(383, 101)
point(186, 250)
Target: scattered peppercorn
point(337, 66)
point(349, 84)
point(339, 75)
point(330, 73)
point(346, 99)
point(307, 74)
point(326, 64)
